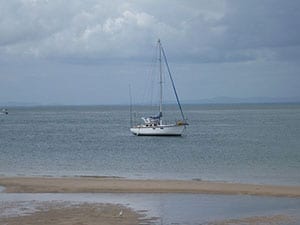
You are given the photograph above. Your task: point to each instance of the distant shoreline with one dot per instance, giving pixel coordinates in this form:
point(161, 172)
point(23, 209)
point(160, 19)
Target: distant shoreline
point(185, 103)
point(121, 185)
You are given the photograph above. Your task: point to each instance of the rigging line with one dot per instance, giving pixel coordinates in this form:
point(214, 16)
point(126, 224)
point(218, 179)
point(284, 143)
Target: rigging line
point(172, 81)
point(130, 109)
point(148, 93)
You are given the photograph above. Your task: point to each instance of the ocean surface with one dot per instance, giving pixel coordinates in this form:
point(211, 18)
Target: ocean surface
point(249, 143)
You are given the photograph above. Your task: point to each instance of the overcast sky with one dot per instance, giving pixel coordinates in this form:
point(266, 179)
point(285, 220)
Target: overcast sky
point(89, 51)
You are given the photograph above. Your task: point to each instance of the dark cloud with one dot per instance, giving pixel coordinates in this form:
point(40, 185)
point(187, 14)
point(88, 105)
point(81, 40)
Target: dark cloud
point(265, 28)
point(253, 24)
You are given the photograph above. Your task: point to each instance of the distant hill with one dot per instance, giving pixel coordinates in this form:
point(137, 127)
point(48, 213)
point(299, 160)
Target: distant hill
point(8, 104)
point(217, 100)
point(230, 100)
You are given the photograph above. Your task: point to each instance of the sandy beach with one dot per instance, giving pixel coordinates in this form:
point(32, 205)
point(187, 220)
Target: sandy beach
point(92, 214)
point(120, 185)
point(55, 212)
point(256, 220)
point(112, 214)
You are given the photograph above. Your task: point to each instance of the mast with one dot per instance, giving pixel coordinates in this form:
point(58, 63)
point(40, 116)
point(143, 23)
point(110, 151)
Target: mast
point(173, 84)
point(160, 83)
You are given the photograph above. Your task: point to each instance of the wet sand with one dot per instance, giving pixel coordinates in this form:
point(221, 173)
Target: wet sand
point(256, 220)
point(120, 185)
point(112, 214)
point(92, 214)
point(107, 214)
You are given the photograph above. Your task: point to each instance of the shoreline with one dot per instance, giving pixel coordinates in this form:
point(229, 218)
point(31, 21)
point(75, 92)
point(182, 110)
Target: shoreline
point(122, 185)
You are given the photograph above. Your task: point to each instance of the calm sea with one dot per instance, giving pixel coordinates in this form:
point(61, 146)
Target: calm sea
point(236, 143)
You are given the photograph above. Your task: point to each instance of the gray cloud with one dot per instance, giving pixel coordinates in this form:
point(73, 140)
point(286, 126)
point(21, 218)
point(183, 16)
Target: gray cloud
point(218, 47)
point(260, 29)
point(104, 29)
point(207, 31)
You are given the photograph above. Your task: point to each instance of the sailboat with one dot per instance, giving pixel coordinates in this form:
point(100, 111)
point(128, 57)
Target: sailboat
point(154, 125)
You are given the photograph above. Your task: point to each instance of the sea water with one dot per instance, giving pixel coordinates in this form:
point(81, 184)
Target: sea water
point(249, 143)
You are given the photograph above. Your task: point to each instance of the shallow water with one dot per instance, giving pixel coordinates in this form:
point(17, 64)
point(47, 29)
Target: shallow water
point(235, 143)
point(169, 208)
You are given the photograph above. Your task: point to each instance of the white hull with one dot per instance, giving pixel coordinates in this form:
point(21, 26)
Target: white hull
point(153, 125)
point(160, 130)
